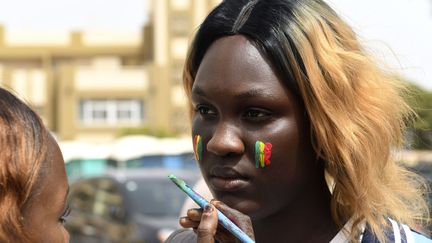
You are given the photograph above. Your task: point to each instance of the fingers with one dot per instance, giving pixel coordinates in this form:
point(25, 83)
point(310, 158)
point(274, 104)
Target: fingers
point(207, 227)
point(241, 220)
point(205, 222)
point(231, 213)
point(195, 214)
point(192, 219)
point(185, 222)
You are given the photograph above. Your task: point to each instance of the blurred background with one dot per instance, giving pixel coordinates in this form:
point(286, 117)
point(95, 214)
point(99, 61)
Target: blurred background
point(105, 76)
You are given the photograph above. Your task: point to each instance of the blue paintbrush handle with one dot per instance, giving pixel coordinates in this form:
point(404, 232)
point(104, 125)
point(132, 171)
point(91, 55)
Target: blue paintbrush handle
point(223, 220)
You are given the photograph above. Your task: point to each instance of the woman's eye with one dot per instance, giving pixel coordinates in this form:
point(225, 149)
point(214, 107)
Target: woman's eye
point(205, 111)
point(256, 114)
point(65, 214)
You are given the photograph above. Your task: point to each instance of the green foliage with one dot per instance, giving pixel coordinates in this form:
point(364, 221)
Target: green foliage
point(155, 132)
point(421, 102)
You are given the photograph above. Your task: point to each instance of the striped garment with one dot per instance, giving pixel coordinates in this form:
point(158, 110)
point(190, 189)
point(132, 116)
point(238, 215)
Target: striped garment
point(399, 233)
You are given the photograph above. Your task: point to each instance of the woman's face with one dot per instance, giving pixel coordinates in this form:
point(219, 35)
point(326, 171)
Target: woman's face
point(47, 211)
point(238, 99)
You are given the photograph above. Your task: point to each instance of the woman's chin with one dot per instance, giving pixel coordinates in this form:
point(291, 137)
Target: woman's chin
point(245, 206)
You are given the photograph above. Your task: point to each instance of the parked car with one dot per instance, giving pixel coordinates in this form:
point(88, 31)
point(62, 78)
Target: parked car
point(126, 205)
point(85, 160)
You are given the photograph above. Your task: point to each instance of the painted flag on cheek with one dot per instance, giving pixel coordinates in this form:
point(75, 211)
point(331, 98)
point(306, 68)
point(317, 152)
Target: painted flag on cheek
point(262, 154)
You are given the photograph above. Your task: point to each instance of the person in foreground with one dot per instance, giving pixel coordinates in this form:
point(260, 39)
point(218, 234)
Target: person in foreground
point(33, 182)
point(294, 129)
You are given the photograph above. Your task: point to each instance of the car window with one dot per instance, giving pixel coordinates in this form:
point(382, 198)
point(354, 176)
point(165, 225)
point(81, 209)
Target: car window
point(177, 161)
point(155, 197)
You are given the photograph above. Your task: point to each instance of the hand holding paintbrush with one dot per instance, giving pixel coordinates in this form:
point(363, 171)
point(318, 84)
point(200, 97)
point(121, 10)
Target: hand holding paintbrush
point(206, 222)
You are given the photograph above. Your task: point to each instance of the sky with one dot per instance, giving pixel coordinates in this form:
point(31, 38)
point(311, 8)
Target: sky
point(60, 15)
point(398, 32)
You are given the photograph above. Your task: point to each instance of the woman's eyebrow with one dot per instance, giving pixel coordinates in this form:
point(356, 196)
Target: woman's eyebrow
point(253, 93)
point(198, 91)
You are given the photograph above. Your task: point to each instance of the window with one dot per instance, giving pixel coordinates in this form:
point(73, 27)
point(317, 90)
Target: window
point(179, 46)
point(177, 74)
point(180, 4)
point(111, 111)
point(154, 197)
point(180, 24)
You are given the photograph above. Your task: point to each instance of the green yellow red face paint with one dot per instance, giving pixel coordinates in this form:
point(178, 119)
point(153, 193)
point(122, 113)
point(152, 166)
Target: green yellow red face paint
point(262, 154)
point(197, 147)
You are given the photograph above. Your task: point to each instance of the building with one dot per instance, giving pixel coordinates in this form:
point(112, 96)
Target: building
point(174, 23)
point(93, 86)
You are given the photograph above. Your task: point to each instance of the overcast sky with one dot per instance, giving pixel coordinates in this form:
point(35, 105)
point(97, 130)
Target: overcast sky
point(398, 31)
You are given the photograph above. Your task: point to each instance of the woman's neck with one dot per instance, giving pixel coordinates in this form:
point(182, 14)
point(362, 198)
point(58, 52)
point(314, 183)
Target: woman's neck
point(308, 219)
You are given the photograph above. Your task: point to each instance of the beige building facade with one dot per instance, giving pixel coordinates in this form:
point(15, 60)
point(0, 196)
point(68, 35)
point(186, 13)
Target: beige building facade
point(174, 23)
point(93, 86)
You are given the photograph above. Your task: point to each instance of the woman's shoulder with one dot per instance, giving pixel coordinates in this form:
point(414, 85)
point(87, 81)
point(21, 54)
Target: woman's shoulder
point(182, 236)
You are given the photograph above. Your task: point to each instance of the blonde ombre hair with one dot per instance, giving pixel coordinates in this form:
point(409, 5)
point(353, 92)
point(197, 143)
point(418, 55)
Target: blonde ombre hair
point(357, 110)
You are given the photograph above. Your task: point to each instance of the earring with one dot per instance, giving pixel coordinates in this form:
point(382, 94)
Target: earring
point(197, 147)
point(262, 154)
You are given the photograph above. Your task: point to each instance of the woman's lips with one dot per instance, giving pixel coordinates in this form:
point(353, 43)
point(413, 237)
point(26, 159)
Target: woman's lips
point(227, 179)
point(228, 184)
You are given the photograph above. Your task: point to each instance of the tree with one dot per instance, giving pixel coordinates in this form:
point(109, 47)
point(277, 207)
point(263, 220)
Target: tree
point(420, 101)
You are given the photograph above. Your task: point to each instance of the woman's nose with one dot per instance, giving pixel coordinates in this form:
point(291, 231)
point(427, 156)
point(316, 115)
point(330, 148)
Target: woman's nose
point(225, 141)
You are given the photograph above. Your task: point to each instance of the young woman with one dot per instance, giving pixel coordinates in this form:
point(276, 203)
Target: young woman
point(33, 183)
point(294, 127)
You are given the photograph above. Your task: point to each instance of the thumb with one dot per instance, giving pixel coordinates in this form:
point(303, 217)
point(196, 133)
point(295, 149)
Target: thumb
point(207, 228)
